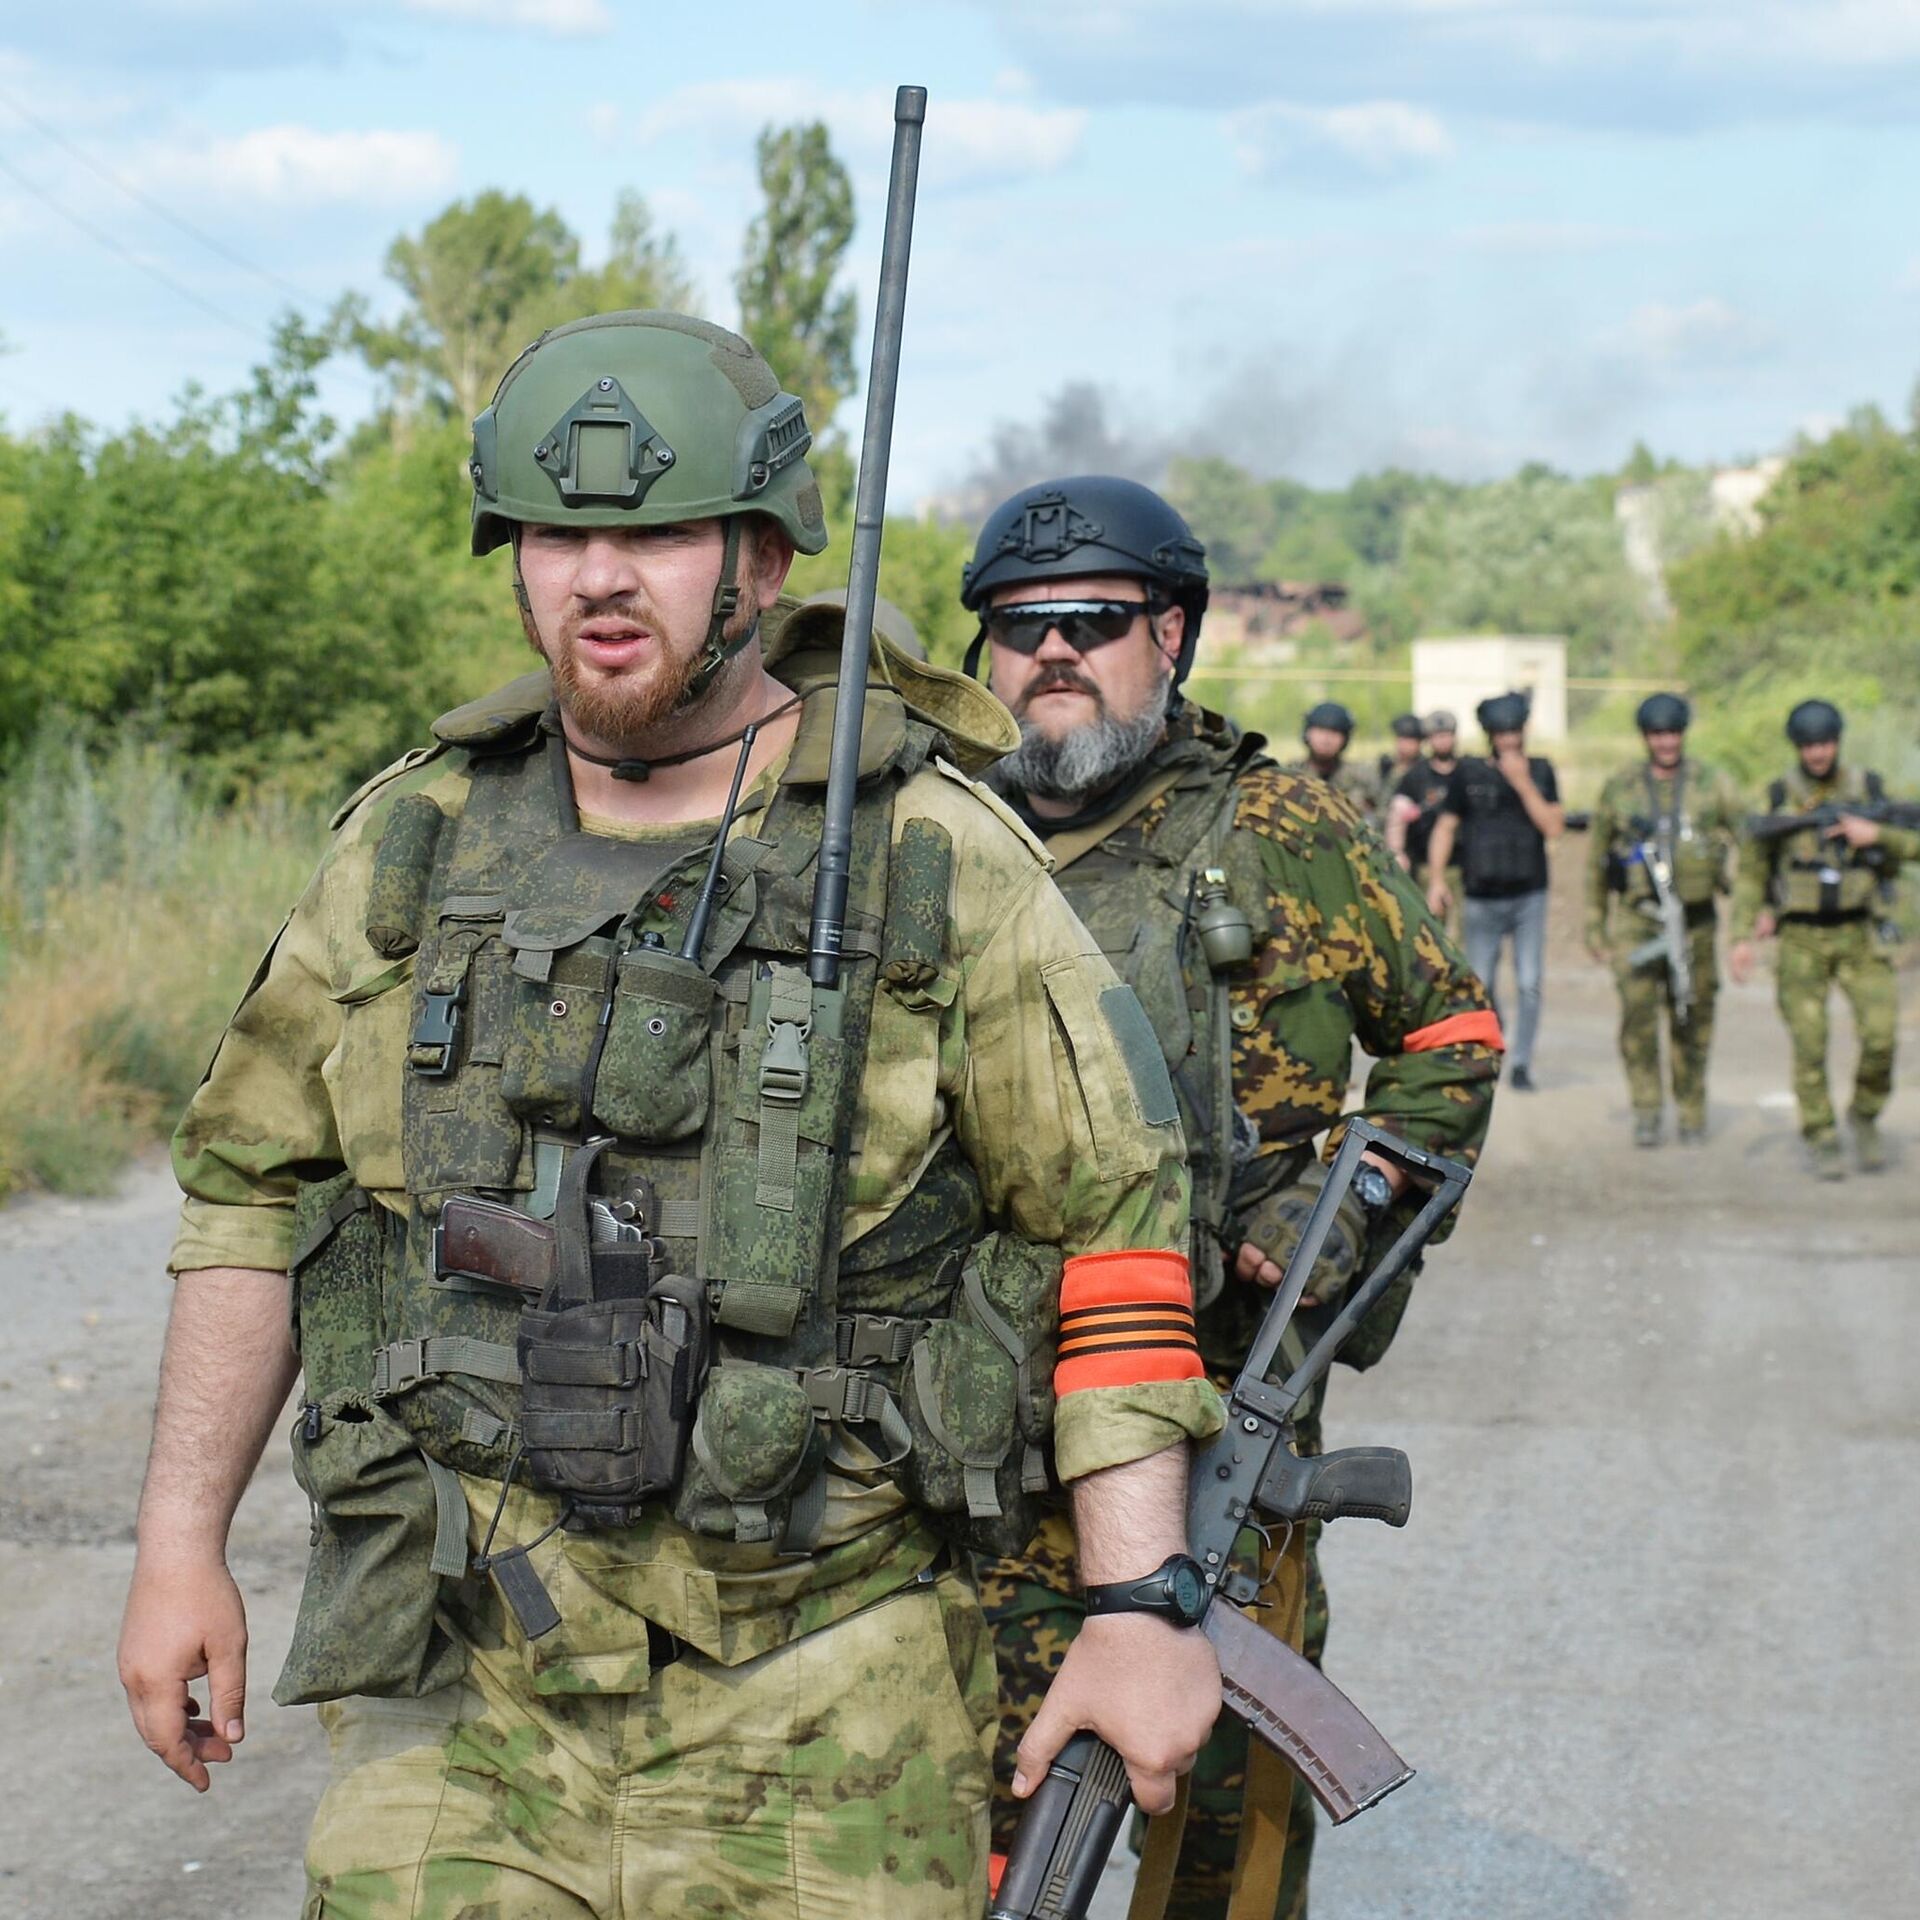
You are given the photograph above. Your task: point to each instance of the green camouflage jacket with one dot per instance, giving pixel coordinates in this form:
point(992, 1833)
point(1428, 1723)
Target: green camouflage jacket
point(1345, 951)
point(1708, 833)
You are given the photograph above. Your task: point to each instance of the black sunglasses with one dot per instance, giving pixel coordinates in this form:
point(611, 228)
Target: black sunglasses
point(1082, 624)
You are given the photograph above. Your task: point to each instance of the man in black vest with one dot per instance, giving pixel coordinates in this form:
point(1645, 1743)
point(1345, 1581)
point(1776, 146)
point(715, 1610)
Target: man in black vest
point(1501, 812)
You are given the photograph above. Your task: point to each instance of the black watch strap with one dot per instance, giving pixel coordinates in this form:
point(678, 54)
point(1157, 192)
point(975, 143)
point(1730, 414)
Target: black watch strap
point(1176, 1590)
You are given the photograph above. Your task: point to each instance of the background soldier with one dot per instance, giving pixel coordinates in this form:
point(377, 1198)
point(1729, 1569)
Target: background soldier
point(1265, 930)
point(1325, 733)
point(1496, 818)
point(630, 1591)
point(1409, 733)
point(1820, 890)
point(1671, 817)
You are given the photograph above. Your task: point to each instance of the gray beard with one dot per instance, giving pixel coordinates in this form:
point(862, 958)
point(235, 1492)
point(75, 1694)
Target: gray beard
point(1088, 759)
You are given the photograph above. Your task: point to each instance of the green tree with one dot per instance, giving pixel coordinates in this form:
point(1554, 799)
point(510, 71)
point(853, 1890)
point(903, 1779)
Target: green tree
point(488, 275)
point(790, 305)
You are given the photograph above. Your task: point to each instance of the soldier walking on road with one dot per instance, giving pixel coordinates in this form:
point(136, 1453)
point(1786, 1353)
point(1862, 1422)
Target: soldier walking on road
point(1265, 930)
point(1663, 836)
point(1820, 890)
point(669, 1319)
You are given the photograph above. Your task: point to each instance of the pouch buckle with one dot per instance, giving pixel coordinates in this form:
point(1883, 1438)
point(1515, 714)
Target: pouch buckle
point(840, 1393)
point(783, 1067)
point(875, 1339)
point(430, 1047)
point(397, 1365)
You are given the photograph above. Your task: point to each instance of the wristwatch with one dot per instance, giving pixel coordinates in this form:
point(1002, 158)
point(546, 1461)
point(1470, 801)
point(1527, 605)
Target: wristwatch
point(1176, 1589)
point(1372, 1189)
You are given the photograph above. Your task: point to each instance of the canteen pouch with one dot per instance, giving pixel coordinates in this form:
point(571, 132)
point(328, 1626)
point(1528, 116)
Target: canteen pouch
point(388, 1525)
point(608, 1393)
point(336, 1266)
point(656, 1081)
point(755, 1439)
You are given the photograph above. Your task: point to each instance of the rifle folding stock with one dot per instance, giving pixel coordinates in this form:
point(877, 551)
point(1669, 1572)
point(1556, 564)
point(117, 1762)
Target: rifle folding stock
point(1248, 1476)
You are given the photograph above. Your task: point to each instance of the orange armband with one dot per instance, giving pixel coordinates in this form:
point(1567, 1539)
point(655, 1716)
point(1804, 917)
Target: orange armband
point(1458, 1030)
point(1126, 1318)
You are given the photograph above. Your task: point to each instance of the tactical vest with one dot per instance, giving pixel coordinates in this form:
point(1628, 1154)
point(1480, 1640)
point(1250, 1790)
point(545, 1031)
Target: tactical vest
point(1664, 816)
point(550, 1009)
point(1815, 878)
point(1143, 899)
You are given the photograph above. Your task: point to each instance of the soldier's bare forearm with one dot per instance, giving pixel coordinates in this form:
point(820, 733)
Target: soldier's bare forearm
point(225, 1373)
point(1440, 848)
point(1129, 1518)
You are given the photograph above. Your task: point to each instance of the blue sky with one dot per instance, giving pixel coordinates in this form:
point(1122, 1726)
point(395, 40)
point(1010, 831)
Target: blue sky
point(1314, 235)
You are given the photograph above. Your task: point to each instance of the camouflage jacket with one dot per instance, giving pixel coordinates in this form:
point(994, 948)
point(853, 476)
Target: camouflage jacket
point(1344, 950)
point(1352, 779)
point(1011, 1054)
point(1705, 833)
point(1766, 867)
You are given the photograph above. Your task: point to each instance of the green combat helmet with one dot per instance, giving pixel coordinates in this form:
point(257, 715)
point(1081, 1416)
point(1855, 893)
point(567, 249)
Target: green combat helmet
point(646, 419)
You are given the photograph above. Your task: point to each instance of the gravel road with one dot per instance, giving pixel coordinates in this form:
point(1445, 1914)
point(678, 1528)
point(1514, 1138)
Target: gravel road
point(1650, 1638)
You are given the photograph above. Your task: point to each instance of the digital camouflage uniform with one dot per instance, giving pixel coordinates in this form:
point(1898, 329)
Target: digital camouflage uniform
point(1697, 814)
point(714, 1726)
point(1827, 901)
point(1344, 950)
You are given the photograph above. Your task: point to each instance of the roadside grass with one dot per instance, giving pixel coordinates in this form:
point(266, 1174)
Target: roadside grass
point(132, 914)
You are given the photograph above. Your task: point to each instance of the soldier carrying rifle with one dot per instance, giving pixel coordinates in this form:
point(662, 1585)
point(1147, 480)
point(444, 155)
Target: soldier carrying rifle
point(1663, 836)
point(1816, 869)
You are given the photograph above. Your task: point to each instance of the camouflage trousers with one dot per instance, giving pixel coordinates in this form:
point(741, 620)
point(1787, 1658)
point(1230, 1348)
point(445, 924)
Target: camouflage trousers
point(844, 1774)
point(1814, 959)
point(1034, 1608)
point(1646, 1005)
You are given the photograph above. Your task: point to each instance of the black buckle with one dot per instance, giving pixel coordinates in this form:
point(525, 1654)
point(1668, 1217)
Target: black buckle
point(430, 1047)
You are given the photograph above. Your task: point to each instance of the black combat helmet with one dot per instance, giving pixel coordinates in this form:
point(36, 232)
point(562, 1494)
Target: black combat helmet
point(1408, 726)
point(1331, 715)
point(1663, 713)
point(1089, 524)
point(1505, 712)
point(1813, 721)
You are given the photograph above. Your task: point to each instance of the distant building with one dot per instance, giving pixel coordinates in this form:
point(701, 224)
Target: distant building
point(1459, 672)
point(1265, 618)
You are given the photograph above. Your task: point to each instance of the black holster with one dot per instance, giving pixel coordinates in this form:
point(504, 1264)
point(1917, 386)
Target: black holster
point(611, 1365)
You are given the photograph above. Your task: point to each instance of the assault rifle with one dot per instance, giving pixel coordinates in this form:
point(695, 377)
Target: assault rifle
point(1768, 827)
point(1670, 946)
point(1248, 1478)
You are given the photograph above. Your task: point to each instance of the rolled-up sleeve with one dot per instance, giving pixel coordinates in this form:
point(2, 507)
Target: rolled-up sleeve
point(262, 1118)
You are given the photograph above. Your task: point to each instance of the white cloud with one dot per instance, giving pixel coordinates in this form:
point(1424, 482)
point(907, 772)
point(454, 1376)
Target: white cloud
point(969, 143)
point(1699, 333)
point(564, 19)
point(295, 166)
point(1374, 140)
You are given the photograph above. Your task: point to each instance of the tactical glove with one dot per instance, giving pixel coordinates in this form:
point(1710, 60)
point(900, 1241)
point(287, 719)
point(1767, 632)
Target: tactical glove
point(1275, 1223)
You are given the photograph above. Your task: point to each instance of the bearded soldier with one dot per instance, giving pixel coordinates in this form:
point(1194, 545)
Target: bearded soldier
point(1664, 829)
point(1819, 889)
point(1265, 928)
point(668, 1320)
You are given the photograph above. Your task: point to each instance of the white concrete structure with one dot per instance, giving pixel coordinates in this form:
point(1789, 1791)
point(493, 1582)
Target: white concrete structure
point(1458, 673)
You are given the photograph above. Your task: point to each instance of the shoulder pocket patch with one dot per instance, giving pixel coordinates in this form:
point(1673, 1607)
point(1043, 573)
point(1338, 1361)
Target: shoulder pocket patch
point(1139, 1047)
point(1124, 1147)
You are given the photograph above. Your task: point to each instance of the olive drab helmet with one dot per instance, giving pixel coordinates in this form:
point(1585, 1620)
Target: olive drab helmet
point(1814, 721)
point(1089, 524)
point(643, 419)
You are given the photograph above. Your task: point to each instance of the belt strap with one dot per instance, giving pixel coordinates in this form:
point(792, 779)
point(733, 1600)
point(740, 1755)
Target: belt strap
point(405, 1363)
point(577, 1430)
point(1160, 1856)
point(1268, 1798)
point(449, 1520)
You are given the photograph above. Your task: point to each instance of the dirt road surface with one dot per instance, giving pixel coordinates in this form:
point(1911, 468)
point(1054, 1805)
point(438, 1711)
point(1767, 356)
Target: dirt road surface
point(1650, 1638)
